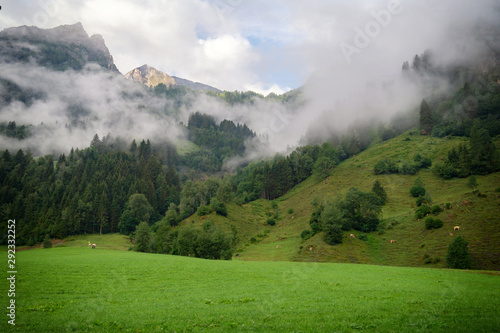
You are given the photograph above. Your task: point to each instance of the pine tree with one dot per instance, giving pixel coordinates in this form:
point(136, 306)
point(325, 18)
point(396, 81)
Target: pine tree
point(426, 121)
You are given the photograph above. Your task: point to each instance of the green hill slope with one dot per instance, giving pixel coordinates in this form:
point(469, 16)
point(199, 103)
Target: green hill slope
point(414, 246)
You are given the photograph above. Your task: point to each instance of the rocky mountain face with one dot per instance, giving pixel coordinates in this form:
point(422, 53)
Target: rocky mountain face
point(61, 48)
point(150, 76)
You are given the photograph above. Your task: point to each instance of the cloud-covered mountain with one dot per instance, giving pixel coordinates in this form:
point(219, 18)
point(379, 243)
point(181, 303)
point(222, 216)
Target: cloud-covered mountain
point(60, 48)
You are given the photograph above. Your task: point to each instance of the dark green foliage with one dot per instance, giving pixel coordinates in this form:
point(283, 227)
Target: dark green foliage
point(436, 209)
point(358, 210)
point(142, 237)
point(422, 211)
point(271, 221)
point(137, 210)
point(164, 239)
point(204, 210)
point(47, 242)
point(420, 201)
point(379, 191)
point(481, 158)
point(218, 142)
point(458, 254)
point(333, 233)
point(363, 237)
point(472, 183)
point(426, 120)
point(433, 223)
point(405, 167)
point(417, 191)
point(306, 234)
point(386, 166)
point(218, 207)
point(290, 211)
point(13, 131)
point(85, 191)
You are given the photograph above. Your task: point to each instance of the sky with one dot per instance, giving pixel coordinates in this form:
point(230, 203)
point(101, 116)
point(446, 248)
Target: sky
point(260, 45)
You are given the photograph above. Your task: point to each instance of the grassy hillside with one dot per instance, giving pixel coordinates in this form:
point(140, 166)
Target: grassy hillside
point(477, 216)
point(97, 290)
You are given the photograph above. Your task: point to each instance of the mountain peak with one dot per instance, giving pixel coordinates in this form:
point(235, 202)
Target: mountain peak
point(149, 76)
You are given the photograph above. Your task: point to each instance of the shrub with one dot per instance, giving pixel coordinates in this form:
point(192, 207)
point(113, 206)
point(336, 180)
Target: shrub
point(433, 223)
point(420, 201)
point(204, 210)
point(306, 234)
point(436, 209)
point(379, 191)
point(417, 191)
point(458, 254)
point(47, 243)
point(271, 222)
point(218, 206)
point(290, 211)
point(385, 166)
point(422, 211)
point(363, 237)
point(407, 168)
point(448, 205)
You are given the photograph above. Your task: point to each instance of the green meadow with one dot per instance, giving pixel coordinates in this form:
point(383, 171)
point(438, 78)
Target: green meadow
point(73, 288)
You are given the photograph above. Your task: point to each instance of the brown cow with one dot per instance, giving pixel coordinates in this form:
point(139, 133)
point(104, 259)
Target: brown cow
point(352, 236)
point(456, 227)
point(393, 241)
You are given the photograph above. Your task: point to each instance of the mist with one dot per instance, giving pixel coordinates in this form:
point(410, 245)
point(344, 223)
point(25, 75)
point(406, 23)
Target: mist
point(347, 54)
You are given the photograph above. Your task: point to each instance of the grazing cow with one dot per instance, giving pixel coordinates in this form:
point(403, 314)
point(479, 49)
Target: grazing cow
point(93, 246)
point(456, 227)
point(293, 217)
point(352, 236)
point(90, 244)
point(393, 241)
point(277, 246)
point(310, 248)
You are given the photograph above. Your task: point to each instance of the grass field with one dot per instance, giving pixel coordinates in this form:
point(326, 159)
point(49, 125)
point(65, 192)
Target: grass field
point(76, 288)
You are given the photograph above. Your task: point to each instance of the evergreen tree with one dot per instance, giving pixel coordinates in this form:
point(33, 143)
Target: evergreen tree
point(458, 254)
point(426, 121)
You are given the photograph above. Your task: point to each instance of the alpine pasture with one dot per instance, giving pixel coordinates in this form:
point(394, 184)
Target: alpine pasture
point(73, 287)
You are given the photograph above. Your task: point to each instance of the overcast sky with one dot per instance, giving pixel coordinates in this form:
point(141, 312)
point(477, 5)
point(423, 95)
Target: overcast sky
point(260, 45)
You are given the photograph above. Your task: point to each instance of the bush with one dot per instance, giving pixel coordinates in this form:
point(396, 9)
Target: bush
point(386, 166)
point(433, 223)
point(363, 237)
point(417, 191)
point(47, 243)
point(271, 222)
point(306, 234)
point(448, 205)
point(218, 206)
point(420, 201)
point(436, 209)
point(204, 210)
point(290, 211)
point(422, 211)
point(458, 254)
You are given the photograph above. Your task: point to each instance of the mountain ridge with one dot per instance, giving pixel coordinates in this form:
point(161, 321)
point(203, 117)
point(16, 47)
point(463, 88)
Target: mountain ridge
point(151, 76)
